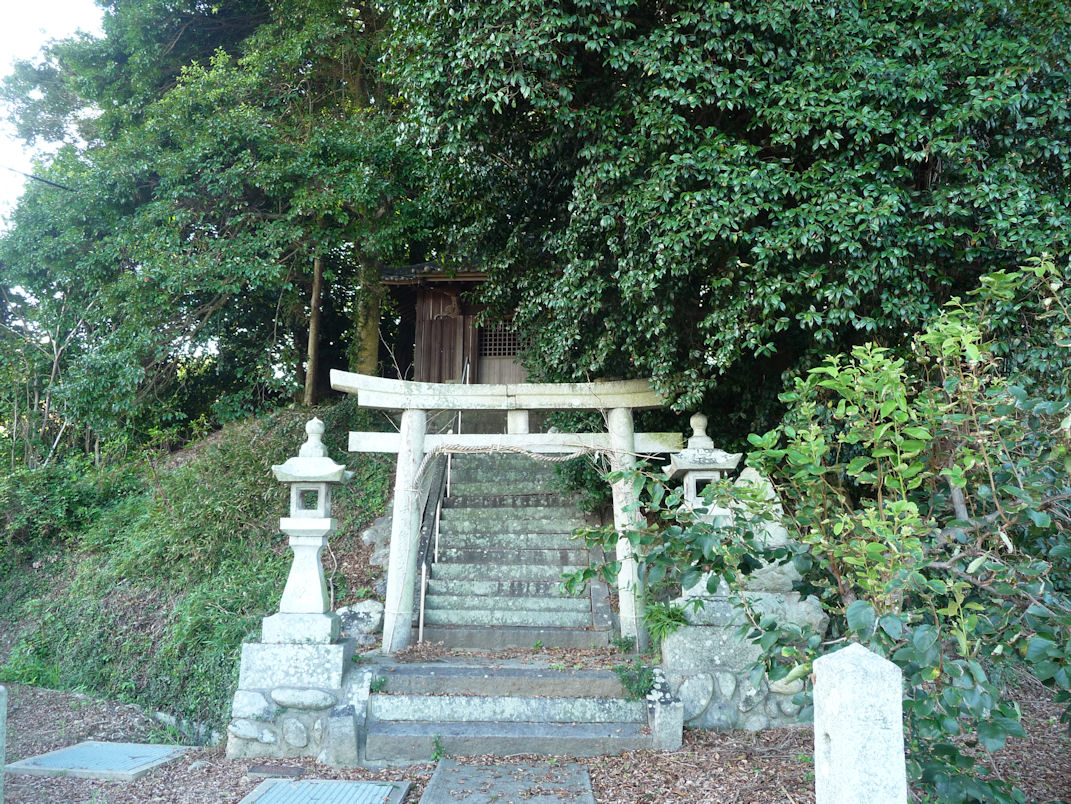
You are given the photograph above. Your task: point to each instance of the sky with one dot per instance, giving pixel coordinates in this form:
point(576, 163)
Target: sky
point(24, 28)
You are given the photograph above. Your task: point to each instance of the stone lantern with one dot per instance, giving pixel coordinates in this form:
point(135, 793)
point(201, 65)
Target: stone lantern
point(700, 464)
point(304, 611)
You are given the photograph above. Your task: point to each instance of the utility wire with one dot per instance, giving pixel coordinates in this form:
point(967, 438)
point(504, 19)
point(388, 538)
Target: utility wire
point(38, 178)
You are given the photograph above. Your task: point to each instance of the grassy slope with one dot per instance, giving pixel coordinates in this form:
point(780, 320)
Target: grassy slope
point(141, 581)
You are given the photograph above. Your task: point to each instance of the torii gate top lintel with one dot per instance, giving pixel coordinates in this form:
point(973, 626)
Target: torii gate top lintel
point(380, 392)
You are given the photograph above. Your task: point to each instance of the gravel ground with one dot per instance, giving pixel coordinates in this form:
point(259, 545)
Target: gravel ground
point(732, 768)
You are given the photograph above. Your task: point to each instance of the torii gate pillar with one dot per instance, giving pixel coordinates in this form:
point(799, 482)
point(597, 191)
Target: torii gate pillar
point(404, 533)
point(622, 457)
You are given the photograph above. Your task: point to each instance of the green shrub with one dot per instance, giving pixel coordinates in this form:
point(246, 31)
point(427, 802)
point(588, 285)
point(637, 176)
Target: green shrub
point(40, 509)
point(636, 678)
point(927, 494)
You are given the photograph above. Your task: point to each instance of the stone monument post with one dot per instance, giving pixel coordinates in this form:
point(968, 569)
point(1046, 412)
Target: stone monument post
point(858, 729)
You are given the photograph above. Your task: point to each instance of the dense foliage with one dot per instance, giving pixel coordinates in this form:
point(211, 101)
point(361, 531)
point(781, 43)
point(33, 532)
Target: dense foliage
point(712, 193)
point(930, 497)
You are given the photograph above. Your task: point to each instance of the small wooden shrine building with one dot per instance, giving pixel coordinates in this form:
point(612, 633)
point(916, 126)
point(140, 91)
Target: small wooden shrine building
point(438, 338)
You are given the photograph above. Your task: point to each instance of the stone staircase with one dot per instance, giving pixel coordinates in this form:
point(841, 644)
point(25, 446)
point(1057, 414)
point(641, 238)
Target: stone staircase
point(505, 539)
point(421, 711)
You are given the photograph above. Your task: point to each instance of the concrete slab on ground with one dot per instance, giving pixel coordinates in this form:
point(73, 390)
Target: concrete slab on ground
point(326, 791)
point(92, 759)
point(514, 783)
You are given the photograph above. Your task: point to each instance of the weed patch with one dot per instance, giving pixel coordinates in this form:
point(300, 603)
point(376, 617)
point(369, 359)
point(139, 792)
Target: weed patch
point(155, 580)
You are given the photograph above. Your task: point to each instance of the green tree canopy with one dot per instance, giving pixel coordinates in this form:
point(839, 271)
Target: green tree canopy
point(712, 193)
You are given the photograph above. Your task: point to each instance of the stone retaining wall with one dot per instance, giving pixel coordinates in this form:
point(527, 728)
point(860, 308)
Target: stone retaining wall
point(708, 665)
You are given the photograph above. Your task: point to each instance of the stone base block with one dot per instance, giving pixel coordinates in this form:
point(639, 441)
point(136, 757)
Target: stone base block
point(290, 628)
point(341, 746)
point(708, 666)
point(266, 666)
point(695, 649)
point(299, 700)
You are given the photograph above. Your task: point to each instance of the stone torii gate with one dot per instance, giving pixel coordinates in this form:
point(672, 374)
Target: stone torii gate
point(621, 443)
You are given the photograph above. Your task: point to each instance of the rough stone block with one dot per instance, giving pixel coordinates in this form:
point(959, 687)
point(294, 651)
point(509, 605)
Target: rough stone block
point(695, 694)
point(302, 698)
point(340, 743)
point(241, 748)
point(244, 729)
point(706, 609)
point(773, 578)
point(720, 716)
point(789, 607)
point(295, 733)
point(858, 729)
point(750, 696)
point(378, 533)
point(363, 617)
point(726, 683)
point(786, 687)
point(252, 705)
point(267, 666)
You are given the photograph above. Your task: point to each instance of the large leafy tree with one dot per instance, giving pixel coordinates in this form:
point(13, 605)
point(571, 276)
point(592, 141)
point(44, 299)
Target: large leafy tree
point(715, 193)
point(209, 208)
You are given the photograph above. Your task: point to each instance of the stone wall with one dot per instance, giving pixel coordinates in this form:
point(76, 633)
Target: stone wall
point(708, 665)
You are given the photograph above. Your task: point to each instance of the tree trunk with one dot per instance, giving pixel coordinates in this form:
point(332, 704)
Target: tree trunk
point(367, 357)
point(312, 367)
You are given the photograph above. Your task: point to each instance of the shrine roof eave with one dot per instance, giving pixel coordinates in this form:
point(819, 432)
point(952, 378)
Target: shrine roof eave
point(380, 392)
point(428, 273)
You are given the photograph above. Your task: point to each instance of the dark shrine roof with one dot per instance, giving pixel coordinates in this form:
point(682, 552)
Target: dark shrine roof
point(428, 272)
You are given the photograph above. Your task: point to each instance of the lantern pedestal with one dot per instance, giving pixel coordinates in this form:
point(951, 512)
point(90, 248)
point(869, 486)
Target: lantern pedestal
point(304, 614)
point(299, 629)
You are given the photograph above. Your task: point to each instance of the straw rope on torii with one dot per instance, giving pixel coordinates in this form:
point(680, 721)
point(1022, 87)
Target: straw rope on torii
point(414, 447)
point(460, 449)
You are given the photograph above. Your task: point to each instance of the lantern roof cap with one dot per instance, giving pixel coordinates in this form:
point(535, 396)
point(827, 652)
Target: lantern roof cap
point(312, 464)
point(701, 455)
point(702, 460)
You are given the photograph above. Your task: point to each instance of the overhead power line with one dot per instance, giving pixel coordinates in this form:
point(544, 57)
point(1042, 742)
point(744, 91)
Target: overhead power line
point(38, 178)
